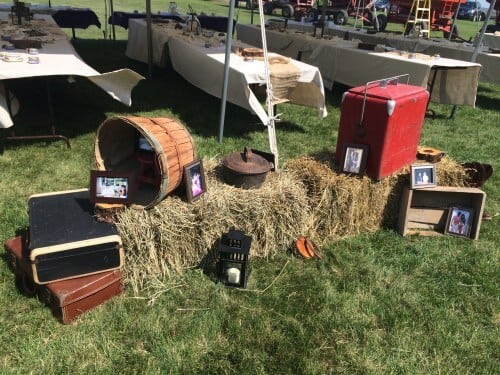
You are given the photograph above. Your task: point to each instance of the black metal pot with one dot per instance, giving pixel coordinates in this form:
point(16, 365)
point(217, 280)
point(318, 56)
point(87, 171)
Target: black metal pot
point(246, 169)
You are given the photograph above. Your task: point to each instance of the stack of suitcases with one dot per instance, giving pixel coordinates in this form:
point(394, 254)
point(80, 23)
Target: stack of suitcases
point(69, 259)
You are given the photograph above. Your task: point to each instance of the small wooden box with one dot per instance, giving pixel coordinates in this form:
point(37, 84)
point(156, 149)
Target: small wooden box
point(425, 211)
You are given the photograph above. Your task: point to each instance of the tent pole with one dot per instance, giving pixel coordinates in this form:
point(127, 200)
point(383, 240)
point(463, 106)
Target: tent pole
point(478, 43)
point(149, 38)
point(251, 11)
point(483, 30)
point(112, 11)
point(271, 130)
point(227, 61)
point(454, 22)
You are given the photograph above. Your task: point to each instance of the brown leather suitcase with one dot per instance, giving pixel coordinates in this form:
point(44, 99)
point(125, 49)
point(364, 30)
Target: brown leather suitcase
point(17, 254)
point(68, 298)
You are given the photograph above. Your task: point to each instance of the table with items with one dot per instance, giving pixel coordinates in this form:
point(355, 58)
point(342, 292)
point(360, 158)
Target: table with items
point(41, 49)
point(487, 57)
point(354, 63)
point(162, 31)
point(490, 40)
point(488, 53)
point(65, 16)
point(120, 18)
point(200, 60)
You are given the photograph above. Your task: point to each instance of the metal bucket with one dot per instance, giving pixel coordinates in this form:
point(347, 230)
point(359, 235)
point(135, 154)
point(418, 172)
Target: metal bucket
point(246, 169)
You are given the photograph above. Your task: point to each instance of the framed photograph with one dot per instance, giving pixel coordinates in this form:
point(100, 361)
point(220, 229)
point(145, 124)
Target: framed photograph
point(460, 221)
point(423, 176)
point(111, 187)
point(354, 159)
point(194, 179)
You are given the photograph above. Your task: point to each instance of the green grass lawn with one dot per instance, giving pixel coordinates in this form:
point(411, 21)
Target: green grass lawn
point(377, 303)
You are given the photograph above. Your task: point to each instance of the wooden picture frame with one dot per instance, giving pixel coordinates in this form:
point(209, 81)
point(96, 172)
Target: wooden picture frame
point(194, 180)
point(423, 176)
point(354, 159)
point(460, 221)
point(111, 187)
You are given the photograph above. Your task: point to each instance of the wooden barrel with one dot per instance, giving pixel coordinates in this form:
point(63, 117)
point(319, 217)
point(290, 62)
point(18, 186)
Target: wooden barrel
point(117, 149)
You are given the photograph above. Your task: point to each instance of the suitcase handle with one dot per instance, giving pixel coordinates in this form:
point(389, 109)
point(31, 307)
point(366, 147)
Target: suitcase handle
point(360, 131)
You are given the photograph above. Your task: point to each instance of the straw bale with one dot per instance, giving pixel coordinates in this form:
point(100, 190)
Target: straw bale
point(343, 205)
point(175, 235)
point(308, 197)
point(450, 173)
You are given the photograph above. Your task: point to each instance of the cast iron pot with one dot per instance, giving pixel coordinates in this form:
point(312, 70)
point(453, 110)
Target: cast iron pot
point(245, 169)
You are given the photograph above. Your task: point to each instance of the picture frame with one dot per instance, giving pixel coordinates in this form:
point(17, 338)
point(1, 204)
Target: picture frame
point(423, 176)
point(194, 180)
point(460, 221)
point(353, 159)
point(113, 187)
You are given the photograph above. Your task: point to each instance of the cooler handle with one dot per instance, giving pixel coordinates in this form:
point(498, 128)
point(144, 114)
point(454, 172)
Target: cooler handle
point(382, 83)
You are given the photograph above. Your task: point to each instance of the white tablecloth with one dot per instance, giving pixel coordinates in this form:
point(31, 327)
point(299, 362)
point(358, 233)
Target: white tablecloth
point(58, 57)
point(137, 48)
point(490, 63)
point(341, 61)
point(204, 67)
point(490, 40)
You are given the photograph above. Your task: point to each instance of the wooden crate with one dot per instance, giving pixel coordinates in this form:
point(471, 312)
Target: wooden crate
point(425, 211)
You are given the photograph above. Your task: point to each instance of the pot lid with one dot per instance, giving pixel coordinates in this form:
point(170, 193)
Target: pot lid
point(247, 162)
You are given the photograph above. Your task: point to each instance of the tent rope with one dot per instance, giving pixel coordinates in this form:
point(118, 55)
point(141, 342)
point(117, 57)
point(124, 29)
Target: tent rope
point(269, 89)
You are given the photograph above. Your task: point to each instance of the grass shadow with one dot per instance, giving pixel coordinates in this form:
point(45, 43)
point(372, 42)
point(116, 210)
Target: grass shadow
point(208, 264)
point(484, 101)
point(168, 93)
point(79, 106)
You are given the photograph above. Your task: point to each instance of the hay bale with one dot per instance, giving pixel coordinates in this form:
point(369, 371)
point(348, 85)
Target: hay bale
point(346, 206)
point(308, 197)
point(450, 173)
point(175, 235)
point(343, 205)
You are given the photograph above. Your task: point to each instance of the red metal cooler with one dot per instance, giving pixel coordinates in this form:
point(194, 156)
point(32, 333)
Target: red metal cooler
point(387, 116)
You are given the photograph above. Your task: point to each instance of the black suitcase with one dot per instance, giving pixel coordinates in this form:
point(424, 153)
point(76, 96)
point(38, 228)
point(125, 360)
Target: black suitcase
point(66, 241)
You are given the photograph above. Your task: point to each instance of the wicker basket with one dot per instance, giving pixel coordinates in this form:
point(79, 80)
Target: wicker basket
point(117, 148)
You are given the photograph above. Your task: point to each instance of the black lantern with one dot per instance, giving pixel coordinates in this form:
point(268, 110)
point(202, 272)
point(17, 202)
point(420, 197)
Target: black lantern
point(232, 265)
